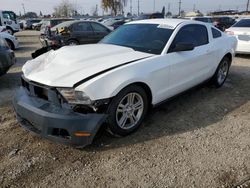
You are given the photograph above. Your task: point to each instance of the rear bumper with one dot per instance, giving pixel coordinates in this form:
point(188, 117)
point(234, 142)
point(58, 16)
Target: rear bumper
point(243, 47)
point(53, 122)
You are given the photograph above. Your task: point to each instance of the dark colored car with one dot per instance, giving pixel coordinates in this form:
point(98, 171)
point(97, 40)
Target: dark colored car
point(7, 57)
point(75, 33)
point(149, 16)
point(224, 22)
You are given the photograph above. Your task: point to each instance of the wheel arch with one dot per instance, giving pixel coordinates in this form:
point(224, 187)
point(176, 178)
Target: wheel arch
point(11, 42)
point(145, 87)
point(229, 56)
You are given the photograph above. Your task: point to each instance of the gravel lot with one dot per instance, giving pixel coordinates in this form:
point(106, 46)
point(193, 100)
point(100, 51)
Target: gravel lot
point(200, 139)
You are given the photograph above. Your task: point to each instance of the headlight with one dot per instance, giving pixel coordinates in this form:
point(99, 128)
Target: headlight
point(74, 97)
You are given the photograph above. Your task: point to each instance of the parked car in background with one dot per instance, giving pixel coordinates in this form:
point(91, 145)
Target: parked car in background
point(27, 24)
point(223, 22)
point(110, 21)
point(7, 57)
point(241, 30)
point(9, 19)
point(75, 33)
point(67, 95)
point(149, 16)
point(52, 22)
point(205, 19)
point(37, 26)
point(117, 24)
point(10, 39)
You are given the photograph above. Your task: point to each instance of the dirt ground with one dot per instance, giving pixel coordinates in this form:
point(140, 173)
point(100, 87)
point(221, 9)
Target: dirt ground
point(200, 139)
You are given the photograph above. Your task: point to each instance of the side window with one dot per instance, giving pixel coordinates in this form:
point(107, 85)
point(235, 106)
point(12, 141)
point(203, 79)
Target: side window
point(195, 34)
point(82, 26)
point(216, 33)
point(99, 28)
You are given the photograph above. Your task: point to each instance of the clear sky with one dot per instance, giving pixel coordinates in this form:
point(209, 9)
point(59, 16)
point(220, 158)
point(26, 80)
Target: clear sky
point(146, 6)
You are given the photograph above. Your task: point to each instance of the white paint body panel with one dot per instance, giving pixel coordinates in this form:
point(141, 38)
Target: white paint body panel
point(166, 74)
point(12, 38)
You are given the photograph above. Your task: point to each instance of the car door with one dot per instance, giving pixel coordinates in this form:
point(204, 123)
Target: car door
point(189, 68)
point(99, 31)
point(83, 33)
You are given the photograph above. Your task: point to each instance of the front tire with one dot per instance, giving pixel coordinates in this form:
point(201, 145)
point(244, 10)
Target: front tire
point(10, 31)
point(127, 111)
point(72, 42)
point(221, 73)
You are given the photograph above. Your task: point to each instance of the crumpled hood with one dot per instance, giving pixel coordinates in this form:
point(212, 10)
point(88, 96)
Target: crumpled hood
point(71, 64)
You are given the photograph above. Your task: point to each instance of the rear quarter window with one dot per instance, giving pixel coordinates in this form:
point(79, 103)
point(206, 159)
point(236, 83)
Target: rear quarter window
point(216, 33)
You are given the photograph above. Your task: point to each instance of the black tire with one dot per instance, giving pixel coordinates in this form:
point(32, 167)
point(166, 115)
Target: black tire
point(216, 81)
point(113, 126)
point(72, 42)
point(10, 31)
point(10, 44)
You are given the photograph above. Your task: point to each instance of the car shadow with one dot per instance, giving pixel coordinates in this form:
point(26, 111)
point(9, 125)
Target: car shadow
point(245, 56)
point(196, 109)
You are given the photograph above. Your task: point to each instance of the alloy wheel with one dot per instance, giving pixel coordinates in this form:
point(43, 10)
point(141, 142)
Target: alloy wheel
point(129, 111)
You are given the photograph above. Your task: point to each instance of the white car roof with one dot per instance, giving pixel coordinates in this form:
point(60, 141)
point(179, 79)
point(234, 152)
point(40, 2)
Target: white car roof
point(173, 23)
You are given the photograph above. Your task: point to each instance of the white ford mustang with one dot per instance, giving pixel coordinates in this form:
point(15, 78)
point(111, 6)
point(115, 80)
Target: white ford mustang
point(66, 95)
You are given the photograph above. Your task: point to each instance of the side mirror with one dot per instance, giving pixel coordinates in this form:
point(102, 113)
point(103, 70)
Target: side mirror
point(180, 47)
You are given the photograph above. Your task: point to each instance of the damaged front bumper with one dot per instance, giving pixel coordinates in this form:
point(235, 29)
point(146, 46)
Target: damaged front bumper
point(54, 122)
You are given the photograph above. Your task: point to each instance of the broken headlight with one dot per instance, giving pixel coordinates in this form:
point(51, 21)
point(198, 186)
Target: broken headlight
point(74, 97)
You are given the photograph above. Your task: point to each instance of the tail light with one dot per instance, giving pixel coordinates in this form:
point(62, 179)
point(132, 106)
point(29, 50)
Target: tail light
point(229, 32)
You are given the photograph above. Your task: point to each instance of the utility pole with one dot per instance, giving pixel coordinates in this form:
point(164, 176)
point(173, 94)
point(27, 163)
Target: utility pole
point(194, 8)
point(180, 8)
point(168, 7)
point(138, 7)
point(131, 7)
point(154, 6)
point(247, 6)
point(23, 9)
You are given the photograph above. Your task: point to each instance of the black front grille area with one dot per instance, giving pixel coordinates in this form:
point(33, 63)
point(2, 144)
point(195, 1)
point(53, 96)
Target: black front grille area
point(42, 91)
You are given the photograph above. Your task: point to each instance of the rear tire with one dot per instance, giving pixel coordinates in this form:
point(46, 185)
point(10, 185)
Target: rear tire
point(127, 111)
point(221, 73)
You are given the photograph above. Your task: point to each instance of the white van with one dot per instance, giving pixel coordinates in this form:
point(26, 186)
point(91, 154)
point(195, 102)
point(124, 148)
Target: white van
point(8, 19)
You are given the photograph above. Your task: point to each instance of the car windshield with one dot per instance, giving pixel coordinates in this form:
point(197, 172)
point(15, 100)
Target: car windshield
point(242, 23)
point(149, 38)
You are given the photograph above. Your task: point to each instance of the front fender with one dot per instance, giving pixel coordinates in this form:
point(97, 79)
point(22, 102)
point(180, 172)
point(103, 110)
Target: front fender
point(111, 83)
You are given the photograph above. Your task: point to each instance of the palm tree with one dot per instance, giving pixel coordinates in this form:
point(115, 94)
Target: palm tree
point(114, 5)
